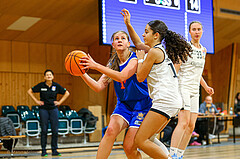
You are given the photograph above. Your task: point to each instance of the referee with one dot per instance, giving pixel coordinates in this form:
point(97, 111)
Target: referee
point(48, 108)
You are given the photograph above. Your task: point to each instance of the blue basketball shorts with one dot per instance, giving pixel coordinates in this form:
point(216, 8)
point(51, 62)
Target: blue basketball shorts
point(133, 112)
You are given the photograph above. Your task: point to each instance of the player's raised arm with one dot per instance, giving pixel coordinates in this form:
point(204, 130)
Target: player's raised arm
point(135, 38)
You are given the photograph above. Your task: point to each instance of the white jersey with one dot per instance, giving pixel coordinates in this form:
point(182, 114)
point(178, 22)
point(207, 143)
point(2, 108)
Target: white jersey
point(190, 72)
point(163, 83)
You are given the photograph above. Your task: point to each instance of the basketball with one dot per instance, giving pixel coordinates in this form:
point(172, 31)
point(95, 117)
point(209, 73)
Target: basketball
point(72, 63)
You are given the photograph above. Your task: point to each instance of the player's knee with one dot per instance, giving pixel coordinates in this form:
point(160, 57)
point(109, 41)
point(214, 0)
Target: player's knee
point(110, 132)
point(191, 127)
point(184, 124)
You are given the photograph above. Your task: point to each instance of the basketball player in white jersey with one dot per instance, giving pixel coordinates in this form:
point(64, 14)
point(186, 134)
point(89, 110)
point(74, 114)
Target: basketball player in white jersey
point(161, 77)
point(190, 77)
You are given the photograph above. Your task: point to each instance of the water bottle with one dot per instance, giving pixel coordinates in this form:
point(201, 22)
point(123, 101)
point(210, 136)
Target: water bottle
point(231, 111)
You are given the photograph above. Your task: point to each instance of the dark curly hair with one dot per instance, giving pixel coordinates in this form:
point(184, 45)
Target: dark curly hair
point(177, 47)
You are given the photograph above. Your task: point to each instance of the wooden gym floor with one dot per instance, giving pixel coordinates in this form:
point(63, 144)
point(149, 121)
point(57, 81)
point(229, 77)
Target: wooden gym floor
point(224, 150)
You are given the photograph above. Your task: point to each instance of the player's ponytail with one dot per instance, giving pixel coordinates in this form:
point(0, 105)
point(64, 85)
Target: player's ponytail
point(176, 46)
point(114, 62)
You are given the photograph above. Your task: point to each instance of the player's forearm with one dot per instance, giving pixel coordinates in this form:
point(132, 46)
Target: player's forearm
point(134, 36)
point(115, 75)
point(94, 85)
point(141, 75)
point(203, 83)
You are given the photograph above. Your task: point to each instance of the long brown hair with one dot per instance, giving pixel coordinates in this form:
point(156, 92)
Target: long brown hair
point(177, 47)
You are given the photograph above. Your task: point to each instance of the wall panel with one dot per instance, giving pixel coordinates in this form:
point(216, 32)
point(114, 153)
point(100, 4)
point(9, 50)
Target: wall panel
point(37, 53)
point(5, 54)
point(20, 56)
point(54, 58)
point(220, 74)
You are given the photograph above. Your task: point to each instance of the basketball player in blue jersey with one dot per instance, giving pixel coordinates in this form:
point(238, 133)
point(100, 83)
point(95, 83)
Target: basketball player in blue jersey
point(133, 101)
point(157, 66)
point(190, 77)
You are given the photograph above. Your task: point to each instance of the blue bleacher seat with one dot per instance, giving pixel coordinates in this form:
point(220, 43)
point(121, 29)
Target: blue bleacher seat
point(76, 123)
point(64, 108)
point(32, 128)
point(7, 109)
point(72, 114)
point(22, 108)
point(15, 119)
point(63, 125)
point(28, 115)
point(35, 108)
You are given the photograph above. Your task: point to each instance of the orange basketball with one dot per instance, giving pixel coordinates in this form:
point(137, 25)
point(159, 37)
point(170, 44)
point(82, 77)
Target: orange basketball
point(72, 63)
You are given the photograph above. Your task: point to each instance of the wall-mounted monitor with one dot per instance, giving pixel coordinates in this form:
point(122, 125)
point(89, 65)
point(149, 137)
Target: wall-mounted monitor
point(177, 14)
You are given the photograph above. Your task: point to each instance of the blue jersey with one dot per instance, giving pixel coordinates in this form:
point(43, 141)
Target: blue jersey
point(130, 90)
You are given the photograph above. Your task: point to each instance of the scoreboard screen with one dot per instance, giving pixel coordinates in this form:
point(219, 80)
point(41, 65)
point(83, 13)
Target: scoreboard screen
point(177, 14)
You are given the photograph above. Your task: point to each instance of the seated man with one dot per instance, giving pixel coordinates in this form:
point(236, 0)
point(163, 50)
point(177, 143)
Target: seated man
point(208, 108)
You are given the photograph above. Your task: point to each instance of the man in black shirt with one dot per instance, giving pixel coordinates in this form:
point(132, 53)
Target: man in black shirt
point(48, 108)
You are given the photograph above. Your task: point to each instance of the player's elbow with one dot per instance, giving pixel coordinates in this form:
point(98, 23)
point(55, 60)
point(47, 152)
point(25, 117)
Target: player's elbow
point(138, 45)
point(121, 77)
point(98, 89)
point(140, 79)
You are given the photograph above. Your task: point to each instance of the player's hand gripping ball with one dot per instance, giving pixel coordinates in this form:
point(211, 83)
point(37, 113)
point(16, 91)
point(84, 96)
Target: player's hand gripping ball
point(72, 63)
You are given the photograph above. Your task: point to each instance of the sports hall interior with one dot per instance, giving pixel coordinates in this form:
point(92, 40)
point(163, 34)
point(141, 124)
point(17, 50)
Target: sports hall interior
point(64, 26)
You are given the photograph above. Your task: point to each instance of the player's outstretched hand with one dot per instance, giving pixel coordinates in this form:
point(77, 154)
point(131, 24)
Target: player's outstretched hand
point(126, 16)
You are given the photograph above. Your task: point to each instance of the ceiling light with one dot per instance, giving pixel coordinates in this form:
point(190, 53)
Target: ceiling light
point(23, 23)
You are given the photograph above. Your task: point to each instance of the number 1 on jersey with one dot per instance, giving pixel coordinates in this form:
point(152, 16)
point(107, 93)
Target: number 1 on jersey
point(122, 85)
point(173, 69)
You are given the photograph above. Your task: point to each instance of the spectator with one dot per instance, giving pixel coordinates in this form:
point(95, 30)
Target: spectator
point(48, 109)
point(207, 107)
point(237, 104)
point(237, 109)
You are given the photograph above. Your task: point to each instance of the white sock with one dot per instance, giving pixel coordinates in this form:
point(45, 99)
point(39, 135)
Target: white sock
point(180, 152)
point(160, 144)
point(173, 150)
